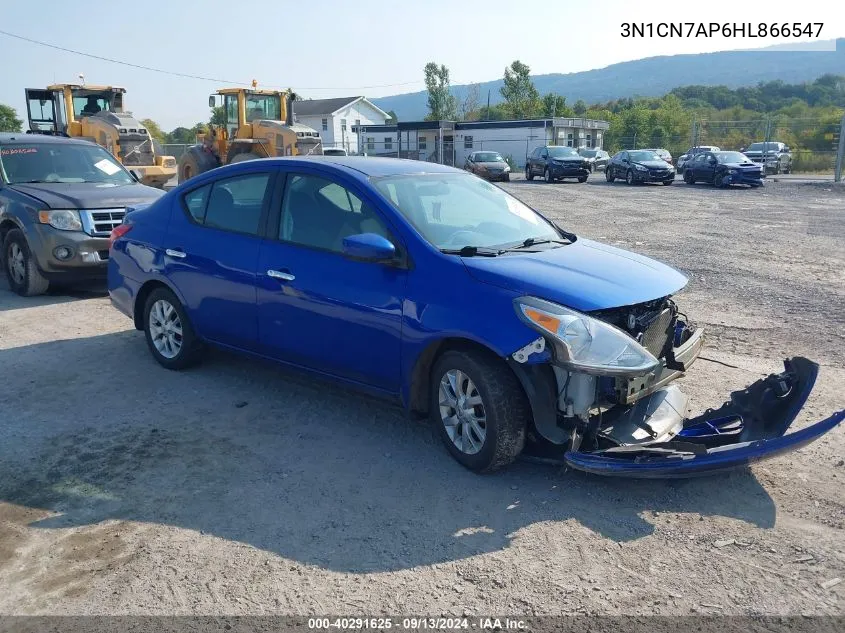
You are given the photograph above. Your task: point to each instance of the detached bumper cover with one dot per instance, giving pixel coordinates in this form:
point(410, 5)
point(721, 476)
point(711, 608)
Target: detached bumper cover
point(749, 428)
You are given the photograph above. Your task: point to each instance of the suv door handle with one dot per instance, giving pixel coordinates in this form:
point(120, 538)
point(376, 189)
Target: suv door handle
point(277, 274)
point(172, 252)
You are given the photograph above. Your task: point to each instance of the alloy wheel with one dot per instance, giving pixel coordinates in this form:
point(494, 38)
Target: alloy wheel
point(166, 329)
point(462, 412)
point(17, 263)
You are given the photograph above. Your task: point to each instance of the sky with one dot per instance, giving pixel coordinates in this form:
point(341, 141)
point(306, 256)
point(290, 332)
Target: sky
point(332, 48)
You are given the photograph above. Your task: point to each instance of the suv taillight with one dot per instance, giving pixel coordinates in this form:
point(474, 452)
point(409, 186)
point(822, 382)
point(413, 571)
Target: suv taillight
point(117, 232)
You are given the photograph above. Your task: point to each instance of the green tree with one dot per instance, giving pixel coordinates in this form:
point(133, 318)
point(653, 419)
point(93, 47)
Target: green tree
point(9, 121)
point(442, 104)
point(580, 108)
point(154, 130)
point(518, 91)
point(555, 105)
point(218, 116)
point(181, 135)
point(392, 118)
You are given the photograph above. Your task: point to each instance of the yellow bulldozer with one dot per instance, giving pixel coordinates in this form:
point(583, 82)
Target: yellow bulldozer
point(96, 113)
point(259, 124)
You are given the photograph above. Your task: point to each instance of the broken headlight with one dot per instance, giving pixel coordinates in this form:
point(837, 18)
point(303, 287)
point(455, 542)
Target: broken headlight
point(584, 343)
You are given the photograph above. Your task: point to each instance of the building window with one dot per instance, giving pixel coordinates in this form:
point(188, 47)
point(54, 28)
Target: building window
point(325, 125)
point(421, 143)
point(343, 124)
point(467, 142)
point(357, 122)
point(589, 140)
point(388, 143)
point(371, 144)
point(569, 139)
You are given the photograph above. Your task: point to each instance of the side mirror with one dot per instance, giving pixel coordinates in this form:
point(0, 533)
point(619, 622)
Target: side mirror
point(135, 175)
point(212, 101)
point(368, 247)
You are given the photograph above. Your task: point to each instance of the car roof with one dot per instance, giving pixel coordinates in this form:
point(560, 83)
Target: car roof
point(22, 138)
point(366, 165)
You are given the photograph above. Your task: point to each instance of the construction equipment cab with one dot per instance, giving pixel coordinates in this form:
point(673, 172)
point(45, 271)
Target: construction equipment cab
point(258, 124)
point(95, 113)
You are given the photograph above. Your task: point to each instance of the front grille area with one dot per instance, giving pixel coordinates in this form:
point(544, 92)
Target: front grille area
point(100, 222)
point(652, 324)
point(658, 335)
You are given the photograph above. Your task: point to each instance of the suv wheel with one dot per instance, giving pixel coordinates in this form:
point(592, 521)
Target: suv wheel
point(168, 331)
point(529, 175)
point(21, 269)
point(548, 175)
point(479, 408)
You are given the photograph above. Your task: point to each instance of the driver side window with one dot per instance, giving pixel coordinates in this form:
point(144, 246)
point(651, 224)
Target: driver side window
point(544, 153)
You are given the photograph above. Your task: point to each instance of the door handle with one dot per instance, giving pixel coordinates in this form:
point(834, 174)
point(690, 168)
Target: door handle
point(172, 252)
point(277, 274)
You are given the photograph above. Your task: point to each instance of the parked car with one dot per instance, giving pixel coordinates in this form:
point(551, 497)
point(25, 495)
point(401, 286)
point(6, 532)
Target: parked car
point(488, 165)
point(691, 152)
point(334, 151)
point(722, 169)
point(59, 200)
point(663, 153)
point(556, 162)
point(637, 166)
point(596, 158)
point(338, 267)
point(778, 156)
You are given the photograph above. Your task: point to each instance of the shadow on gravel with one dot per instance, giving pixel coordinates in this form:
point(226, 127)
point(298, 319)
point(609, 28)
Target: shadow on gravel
point(59, 294)
point(249, 452)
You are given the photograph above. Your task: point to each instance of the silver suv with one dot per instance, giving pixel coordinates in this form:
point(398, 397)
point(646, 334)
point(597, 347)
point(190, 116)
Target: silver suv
point(775, 157)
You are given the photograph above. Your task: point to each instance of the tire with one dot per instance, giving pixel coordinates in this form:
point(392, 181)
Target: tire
point(582, 179)
point(548, 176)
point(507, 177)
point(189, 346)
point(188, 167)
point(717, 182)
point(666, 183)
point(777, 168)
point(21, 268)
point(788, 168)
point(629, 177)
point(688, 177)
point(529, 175)
point(501, 401)
point(608, 174)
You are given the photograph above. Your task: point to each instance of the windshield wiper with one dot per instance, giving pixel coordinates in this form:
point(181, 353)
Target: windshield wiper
point(472, 251)
point(534, 241)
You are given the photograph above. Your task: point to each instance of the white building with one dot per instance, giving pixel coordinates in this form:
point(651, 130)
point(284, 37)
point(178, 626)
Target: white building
point(454, 141)
point(337, 120)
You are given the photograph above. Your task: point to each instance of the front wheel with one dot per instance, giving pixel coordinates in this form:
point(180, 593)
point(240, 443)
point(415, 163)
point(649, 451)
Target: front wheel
point(629, 177)
point(582, 179)
point(169, 333)
point(479, 408)
point(507, 177)
point(529, 175)
point(688, 177)
point(547, 174)
point(608, 174)
point(21, 268)
point(667, 182)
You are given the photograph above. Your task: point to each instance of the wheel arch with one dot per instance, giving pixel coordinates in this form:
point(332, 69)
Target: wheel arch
point(141, 298)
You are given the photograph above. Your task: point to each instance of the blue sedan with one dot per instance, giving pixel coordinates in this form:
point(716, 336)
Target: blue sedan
point(431, 287)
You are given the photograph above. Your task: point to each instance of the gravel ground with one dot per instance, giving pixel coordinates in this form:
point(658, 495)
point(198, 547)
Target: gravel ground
point(240, 488)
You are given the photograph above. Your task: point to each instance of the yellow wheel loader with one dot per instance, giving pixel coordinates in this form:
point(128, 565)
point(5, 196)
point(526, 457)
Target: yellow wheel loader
point(96, 113)
point(259, 124)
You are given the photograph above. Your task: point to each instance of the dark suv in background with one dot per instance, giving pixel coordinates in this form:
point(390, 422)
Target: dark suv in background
point(59, 200)
point(555, 162)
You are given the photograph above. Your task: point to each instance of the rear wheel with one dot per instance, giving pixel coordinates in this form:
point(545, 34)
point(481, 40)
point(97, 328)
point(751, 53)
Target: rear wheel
point(168, 331)
point(582, 179)
point(479, 408)
point(21, 268)
point(668, 182)
point(529, 175)
point(688, 177)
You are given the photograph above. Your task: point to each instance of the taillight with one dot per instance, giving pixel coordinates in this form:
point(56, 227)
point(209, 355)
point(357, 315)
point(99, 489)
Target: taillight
point(117, 232)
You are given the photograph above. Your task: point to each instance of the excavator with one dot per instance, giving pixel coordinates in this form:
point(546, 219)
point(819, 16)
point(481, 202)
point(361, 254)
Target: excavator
point(259, 124)
point(96, 113)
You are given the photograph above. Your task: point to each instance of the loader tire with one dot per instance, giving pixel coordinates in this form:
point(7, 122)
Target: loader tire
point(188, 167)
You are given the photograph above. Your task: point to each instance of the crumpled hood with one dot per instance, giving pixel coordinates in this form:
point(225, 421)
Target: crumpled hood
point(585, 275)
point(85, 195)
point(653, 164)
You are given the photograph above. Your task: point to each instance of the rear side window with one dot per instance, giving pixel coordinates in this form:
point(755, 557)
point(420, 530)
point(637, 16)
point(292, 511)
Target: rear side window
point(233, 204)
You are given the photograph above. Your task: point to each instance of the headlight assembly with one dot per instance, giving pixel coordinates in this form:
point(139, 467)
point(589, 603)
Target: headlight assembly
point(62, 219)
point(584, 343)
point(640, 168)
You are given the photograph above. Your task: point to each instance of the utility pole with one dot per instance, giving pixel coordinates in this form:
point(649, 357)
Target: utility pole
point(840, 153)
point(488, 105)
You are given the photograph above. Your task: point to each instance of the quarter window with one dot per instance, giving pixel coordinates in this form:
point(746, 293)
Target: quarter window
point(235, 204)
point(319, 213)
point(195, 201)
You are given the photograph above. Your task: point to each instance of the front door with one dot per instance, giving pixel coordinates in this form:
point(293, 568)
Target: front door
point(212, 252)
point(318, 308)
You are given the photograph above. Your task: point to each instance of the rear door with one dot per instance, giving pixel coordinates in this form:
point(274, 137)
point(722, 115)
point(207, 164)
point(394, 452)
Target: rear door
point(212, 251)
point(317, 307)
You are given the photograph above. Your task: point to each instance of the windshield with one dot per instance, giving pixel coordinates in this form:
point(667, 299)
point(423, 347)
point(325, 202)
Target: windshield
point(488, 157)
point(731, 157)
point(61, 162)
point(263, 107)
point(453, 211)
point(761, 147)
point(588, 153)
point(561, 152)
point(641, 155)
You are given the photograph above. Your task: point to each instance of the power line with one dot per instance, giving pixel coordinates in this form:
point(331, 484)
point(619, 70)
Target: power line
point(177, 74)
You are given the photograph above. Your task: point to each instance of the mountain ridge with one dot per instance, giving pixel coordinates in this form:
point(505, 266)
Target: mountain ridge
point(655, 76)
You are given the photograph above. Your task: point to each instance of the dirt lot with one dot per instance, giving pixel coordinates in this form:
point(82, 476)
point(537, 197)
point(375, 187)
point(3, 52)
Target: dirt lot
point(239, 488)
